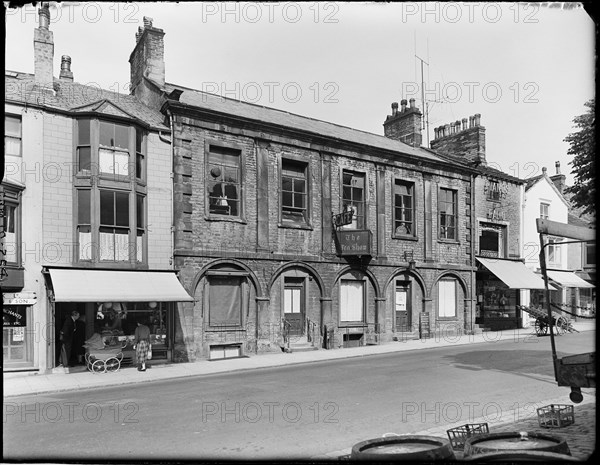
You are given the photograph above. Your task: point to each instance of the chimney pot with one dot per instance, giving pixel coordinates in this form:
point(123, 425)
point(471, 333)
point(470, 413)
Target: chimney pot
point(412, 102)
point(557, 165)
point(147, 22)
point(394, 108)
point(464, 124)
point(477, 119)
point(544, 170)
point(403, 105)
point(65, 68)
point(44, 16)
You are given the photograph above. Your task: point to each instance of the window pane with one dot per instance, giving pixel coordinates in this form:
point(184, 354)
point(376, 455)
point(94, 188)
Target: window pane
point(139, 166)
point(106, 161)
point(83, 206)
point(292, 169)
point(401, 189)
point(107, 134)
point(12, 126)
point(140, 212)
point(299, 185)
point(286, 184)
point(107, 207)
point(122, 163)
point(122, 208)
point(10, 238)
point(299, 200)
point(121, 245)
point(139, 137)
point(286, 199)
point(107, 244)
point(85, 243)
point(12, 146)
point(85, 158)
point(84, 132)
point(121, 136)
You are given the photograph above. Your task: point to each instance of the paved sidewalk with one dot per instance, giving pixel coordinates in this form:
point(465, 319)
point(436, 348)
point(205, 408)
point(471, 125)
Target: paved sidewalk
point(19, 384)
point(580, 436)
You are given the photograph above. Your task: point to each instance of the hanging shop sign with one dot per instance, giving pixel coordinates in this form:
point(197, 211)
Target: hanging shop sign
point(354, 243)
point(343, 219)
point(19, 298)
point(14, 316)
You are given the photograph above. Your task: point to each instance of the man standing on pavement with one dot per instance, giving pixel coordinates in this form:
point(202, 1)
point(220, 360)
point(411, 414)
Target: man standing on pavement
point(66, 337)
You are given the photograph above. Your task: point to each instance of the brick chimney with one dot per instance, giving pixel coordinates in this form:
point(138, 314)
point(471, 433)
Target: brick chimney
point(461, 140)
point(404, 124)
point(558, 179)
point(147, 59)
point(65, 69)
point(43, 49)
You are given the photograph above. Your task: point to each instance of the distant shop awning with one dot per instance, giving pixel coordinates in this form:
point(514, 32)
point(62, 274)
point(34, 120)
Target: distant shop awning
point(513, 273)
point(568, 279)
point(77, 285)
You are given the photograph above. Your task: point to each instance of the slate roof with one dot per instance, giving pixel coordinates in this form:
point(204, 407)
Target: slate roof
point(74, 97)
point(285, 119)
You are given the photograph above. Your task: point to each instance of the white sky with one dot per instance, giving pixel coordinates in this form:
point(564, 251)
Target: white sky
point(528, 70)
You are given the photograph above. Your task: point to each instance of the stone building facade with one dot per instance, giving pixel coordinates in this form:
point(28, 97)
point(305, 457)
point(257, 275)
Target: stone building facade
point(87, 193)
point(257, 192)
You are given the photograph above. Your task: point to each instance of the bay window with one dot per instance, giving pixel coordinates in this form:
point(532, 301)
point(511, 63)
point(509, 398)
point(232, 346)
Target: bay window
point(110, 191)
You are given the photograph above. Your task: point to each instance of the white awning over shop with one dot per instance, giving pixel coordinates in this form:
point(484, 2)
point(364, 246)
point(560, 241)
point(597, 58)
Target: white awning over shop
point(77, 285)
point(513, 273)
point(568, 279)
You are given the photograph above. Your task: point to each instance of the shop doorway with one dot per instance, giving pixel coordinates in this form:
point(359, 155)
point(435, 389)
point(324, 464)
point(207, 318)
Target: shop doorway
point(403, 307)
point(294, 311)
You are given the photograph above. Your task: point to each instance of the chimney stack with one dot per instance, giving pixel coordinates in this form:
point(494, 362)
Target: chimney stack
point(147, 59)
point(461, 140)
point(558, 179)
point(65, 69)
point(43, 50)
point(404, 125)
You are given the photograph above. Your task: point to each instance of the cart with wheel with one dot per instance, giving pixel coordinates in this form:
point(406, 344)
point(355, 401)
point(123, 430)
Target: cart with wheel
point(560, 323)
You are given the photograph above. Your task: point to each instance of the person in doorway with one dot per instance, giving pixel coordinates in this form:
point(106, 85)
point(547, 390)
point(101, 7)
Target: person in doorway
point(78, 340)
point(142, 345)
point(67, 334)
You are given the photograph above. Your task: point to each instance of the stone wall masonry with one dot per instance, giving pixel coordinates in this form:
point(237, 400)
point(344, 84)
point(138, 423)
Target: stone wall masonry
point(506, 211)
point(159, 201)
point(57, 209)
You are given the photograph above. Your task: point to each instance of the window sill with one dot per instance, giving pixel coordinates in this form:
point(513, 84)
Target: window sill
point(234, 219)
point(352, 324)
point(405, 238)
point(221, 329)
point(291, 225)
point(447, 318)
point(448, 241)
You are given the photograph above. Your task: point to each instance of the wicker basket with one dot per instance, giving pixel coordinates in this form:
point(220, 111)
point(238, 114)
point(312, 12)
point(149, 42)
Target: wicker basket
point(460, 434)
point(556, 416)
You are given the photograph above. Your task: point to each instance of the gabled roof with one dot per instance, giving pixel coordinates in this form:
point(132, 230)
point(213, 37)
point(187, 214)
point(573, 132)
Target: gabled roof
point(272, 116)
point(540, 178)
point(69, 96)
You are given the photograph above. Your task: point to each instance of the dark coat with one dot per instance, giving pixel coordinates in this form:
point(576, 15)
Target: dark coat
point(68, 330)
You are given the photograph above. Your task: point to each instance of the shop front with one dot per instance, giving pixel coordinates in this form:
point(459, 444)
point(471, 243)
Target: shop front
point(498, 286)
point(111, 303)
point(17, 330)
point(576, 295)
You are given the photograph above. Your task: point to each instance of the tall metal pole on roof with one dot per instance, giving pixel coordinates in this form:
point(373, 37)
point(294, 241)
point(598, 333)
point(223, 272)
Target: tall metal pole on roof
point(424, 117)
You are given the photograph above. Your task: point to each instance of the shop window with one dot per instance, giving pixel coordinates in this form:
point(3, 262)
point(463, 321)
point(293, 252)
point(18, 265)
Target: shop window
point(294, 192)
point(15, 343)
point(544, 210)
point(225, 301)
point(553, 252)
point(447, 298)
point(404, 208)
point(353, 198)
point(12, 135)
point(352, 301)
point(448, 213)
point(224, 181)
point(491, 240)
